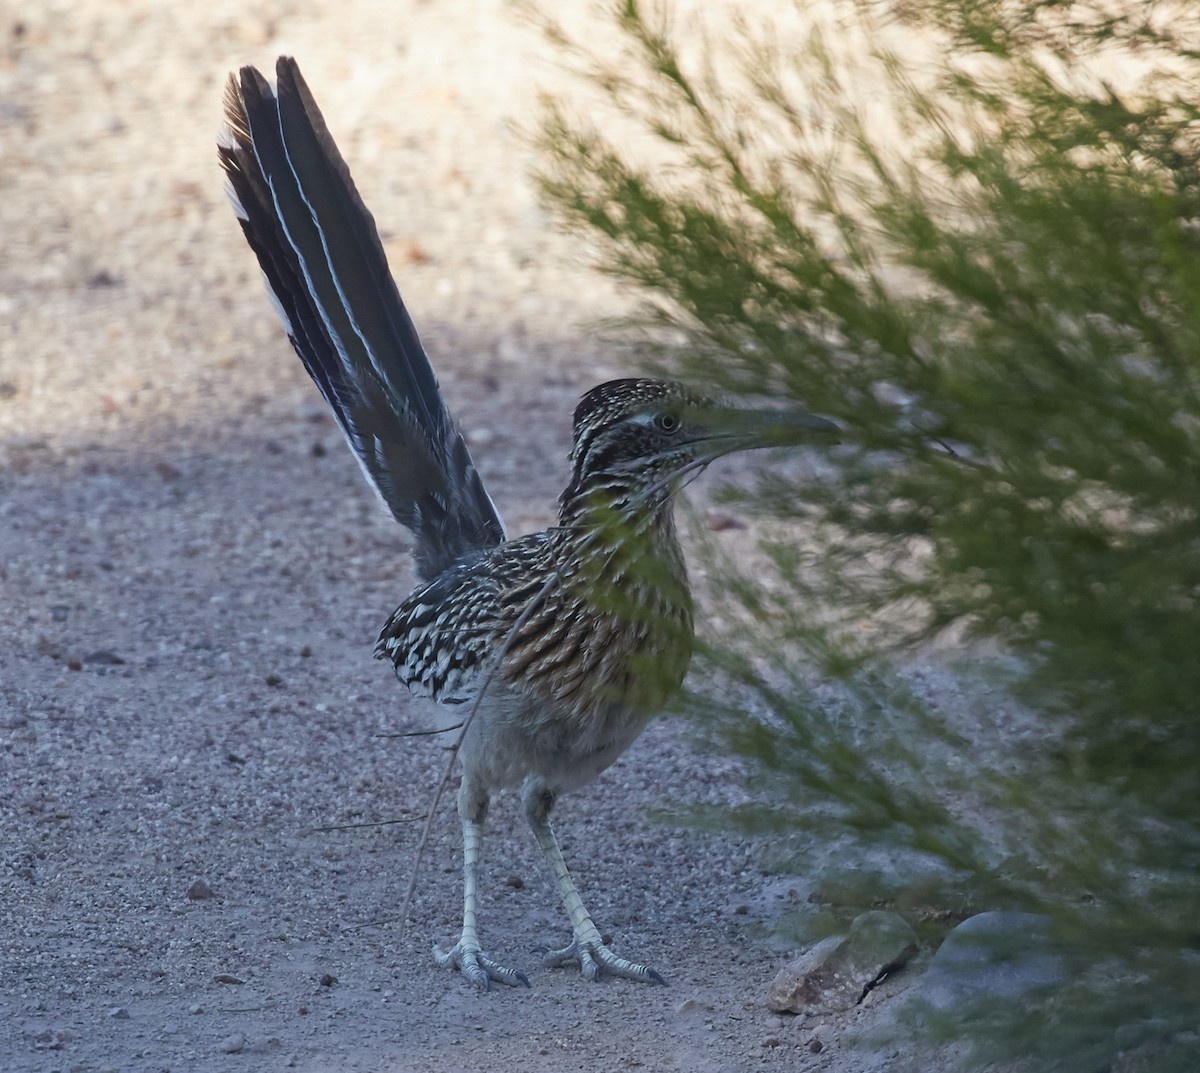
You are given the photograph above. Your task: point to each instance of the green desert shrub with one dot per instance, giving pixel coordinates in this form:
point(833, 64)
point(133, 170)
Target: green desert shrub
point(968, 230)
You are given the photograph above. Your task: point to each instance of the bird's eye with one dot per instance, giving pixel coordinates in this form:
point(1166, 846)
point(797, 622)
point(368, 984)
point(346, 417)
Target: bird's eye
point(666, 422)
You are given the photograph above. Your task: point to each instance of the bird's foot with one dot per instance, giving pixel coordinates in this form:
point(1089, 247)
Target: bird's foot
point(595, 959)
point(477, 967)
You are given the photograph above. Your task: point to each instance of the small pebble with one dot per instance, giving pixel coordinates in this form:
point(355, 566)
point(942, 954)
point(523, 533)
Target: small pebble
point(328, 981)
point(719, 522)
point(233, 1044)
point(226, 978)
point(51, 1040)
point(690, 1006)
point(413, 253)
point(119, 1013)
point(199, 890)
point(195, 1007)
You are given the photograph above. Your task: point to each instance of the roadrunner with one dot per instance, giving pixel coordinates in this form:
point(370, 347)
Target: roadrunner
point(558, 647)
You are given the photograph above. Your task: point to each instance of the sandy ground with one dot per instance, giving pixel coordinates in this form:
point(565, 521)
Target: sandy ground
point(193, 574)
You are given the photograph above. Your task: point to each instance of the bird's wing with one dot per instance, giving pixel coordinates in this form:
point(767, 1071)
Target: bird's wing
point(499, 606)
point(443, 638)
point(327, 272)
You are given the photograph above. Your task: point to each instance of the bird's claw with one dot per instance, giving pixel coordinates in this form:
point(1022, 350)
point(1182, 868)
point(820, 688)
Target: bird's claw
point(595, 959)
point(477, 967)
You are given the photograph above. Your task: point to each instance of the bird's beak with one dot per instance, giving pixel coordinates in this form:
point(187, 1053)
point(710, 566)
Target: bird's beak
point(796, 427)
point(740, 429)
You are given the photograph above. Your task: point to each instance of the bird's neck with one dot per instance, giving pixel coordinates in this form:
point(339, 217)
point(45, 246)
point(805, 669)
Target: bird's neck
point(627, 542)
point(626, 565)
point(615, 514)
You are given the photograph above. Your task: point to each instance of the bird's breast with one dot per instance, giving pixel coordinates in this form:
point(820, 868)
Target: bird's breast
point(614, 634)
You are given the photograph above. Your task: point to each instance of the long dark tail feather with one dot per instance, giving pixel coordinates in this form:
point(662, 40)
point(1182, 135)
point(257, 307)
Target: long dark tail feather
point(327, 272)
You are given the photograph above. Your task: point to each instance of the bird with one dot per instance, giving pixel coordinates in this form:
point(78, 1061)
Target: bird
point(557, 647)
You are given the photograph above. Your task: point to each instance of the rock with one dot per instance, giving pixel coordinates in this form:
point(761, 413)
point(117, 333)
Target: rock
point(1130, 1036)
point(999, 955)
point(692, 1007)
point(233, 1044)
point(119, 1013)
point(719, 521)
point(837, 972)
point(199, 890)
point(51, 1039)
point(789, 990)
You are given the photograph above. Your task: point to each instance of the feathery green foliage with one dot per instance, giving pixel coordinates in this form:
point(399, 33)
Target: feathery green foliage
point(970, 231)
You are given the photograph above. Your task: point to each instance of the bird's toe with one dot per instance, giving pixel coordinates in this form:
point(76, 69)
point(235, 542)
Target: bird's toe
point(595, 959)
point(477, 967)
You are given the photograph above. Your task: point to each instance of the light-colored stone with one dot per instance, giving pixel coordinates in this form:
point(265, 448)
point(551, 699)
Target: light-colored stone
point(836, 973)
point(233, 1044)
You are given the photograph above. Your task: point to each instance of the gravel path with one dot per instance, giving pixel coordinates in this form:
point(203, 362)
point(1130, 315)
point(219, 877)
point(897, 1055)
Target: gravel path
point(193, 574)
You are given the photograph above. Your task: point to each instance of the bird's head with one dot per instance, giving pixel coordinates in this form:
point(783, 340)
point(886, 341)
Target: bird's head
point(635, 439)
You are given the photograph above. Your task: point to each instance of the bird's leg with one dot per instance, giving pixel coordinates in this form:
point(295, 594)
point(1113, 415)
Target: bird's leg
point(466, 955)
point(587, 948)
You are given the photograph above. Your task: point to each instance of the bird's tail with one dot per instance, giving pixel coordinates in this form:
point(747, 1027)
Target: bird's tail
point(327, 272)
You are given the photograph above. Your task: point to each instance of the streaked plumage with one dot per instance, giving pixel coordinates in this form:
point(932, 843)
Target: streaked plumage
point(561, 645)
